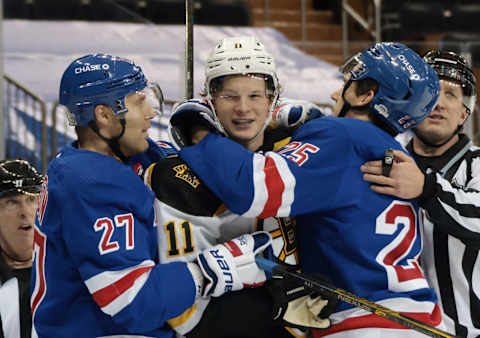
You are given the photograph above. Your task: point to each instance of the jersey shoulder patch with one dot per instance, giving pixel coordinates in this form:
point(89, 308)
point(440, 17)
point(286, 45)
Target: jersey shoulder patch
point(284, 239)
point(176, 185)
point(276, 138)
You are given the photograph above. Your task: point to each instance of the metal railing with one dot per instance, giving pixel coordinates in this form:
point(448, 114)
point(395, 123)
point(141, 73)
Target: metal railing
point(36, 132)
point(303, 17)
point(375, 32)
point(22, 100)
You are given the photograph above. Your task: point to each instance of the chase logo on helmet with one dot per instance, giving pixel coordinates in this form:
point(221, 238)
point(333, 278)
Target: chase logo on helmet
point(409, 67)
point(91, 68)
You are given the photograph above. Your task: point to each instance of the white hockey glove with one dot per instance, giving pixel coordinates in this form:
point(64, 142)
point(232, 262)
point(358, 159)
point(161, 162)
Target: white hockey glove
point(292, 113)
point(299, 307)
point(231, 266)
point(188, 114)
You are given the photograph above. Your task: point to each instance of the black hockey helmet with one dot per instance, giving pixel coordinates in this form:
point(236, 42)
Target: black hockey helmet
point(453, 67)
point(18, 177)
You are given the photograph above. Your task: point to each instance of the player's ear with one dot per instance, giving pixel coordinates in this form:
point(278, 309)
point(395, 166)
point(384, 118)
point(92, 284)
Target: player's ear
point(464, 114)
point(367, 97)
point(102, 115)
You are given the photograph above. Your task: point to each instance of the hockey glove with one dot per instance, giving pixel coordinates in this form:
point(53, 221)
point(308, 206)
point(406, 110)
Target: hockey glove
point(292, 113)
point(298, 306)
point(231, 266)
point(188, 114)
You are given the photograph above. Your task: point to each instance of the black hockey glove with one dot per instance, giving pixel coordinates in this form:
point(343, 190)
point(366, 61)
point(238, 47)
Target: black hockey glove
point(298, 306)
point(188, 114)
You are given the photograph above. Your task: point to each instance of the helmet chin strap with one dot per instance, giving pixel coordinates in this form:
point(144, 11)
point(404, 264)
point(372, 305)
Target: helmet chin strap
point(346, 105)
point(112, 142)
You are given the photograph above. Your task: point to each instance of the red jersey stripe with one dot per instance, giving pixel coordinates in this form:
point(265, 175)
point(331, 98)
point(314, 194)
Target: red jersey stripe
point(372, 320)
point(275, 188)
point(108, 294)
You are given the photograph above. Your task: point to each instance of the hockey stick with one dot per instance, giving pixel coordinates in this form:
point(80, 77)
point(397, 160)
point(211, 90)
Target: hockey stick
point(188, 49)
point(355, 300)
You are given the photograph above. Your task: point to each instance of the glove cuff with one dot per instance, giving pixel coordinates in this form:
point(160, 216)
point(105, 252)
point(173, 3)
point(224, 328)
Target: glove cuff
point(198, 278)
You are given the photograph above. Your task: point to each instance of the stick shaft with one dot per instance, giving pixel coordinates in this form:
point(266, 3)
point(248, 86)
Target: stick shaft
point(355, 300)
point(188, 49)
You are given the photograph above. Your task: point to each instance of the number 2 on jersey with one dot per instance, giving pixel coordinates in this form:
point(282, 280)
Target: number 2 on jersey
point(409, 276)
point(299, 151)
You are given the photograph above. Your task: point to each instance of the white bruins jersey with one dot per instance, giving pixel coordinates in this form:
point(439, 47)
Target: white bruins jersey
point(190, 218)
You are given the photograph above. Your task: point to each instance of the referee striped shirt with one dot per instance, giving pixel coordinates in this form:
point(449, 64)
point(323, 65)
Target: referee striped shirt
point(15, 314)
point(451, 231)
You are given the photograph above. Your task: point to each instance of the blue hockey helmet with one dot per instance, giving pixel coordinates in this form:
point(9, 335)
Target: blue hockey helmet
point(408, 87)
point(98, 79)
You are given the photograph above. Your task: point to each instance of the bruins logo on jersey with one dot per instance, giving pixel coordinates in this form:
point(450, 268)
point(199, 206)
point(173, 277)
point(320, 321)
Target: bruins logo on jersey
point(284, 240)
point(183, 173)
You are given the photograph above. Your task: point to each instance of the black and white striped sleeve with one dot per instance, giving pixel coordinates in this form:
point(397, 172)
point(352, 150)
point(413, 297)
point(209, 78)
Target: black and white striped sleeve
point(15, 313)
point(454, 205)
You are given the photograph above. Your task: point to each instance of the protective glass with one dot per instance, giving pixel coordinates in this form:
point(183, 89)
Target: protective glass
point(350, 63)
point(217, 84)
point(154, 95)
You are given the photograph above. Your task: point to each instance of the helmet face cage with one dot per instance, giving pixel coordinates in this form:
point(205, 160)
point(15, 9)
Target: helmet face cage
point(98, 79)
point(19, 177)
point(241, 56)
point(454, 68)
point(408, 87)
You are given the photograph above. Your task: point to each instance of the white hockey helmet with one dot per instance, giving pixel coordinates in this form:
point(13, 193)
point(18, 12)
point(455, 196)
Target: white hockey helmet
point(241, 55)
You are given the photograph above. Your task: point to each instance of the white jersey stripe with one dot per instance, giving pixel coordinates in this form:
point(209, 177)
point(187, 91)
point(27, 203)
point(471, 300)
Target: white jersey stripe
point(10, 310)
point(261, 195)
point(460, 283)
point(471, 224)
point(107, 278)
point(103, 288)
point(461, 196)
point(127, 297)
point(260, 192)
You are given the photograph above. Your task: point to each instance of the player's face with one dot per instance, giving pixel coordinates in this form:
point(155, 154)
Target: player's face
point(447, 115)
point(350, 96)
point(137, 118)
point(17, 216)
point(242, 106)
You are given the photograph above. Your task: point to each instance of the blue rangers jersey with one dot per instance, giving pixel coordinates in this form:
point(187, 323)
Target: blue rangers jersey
point(190, 218)
point(364, 242)
point(95, 270)
point(156, 151)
